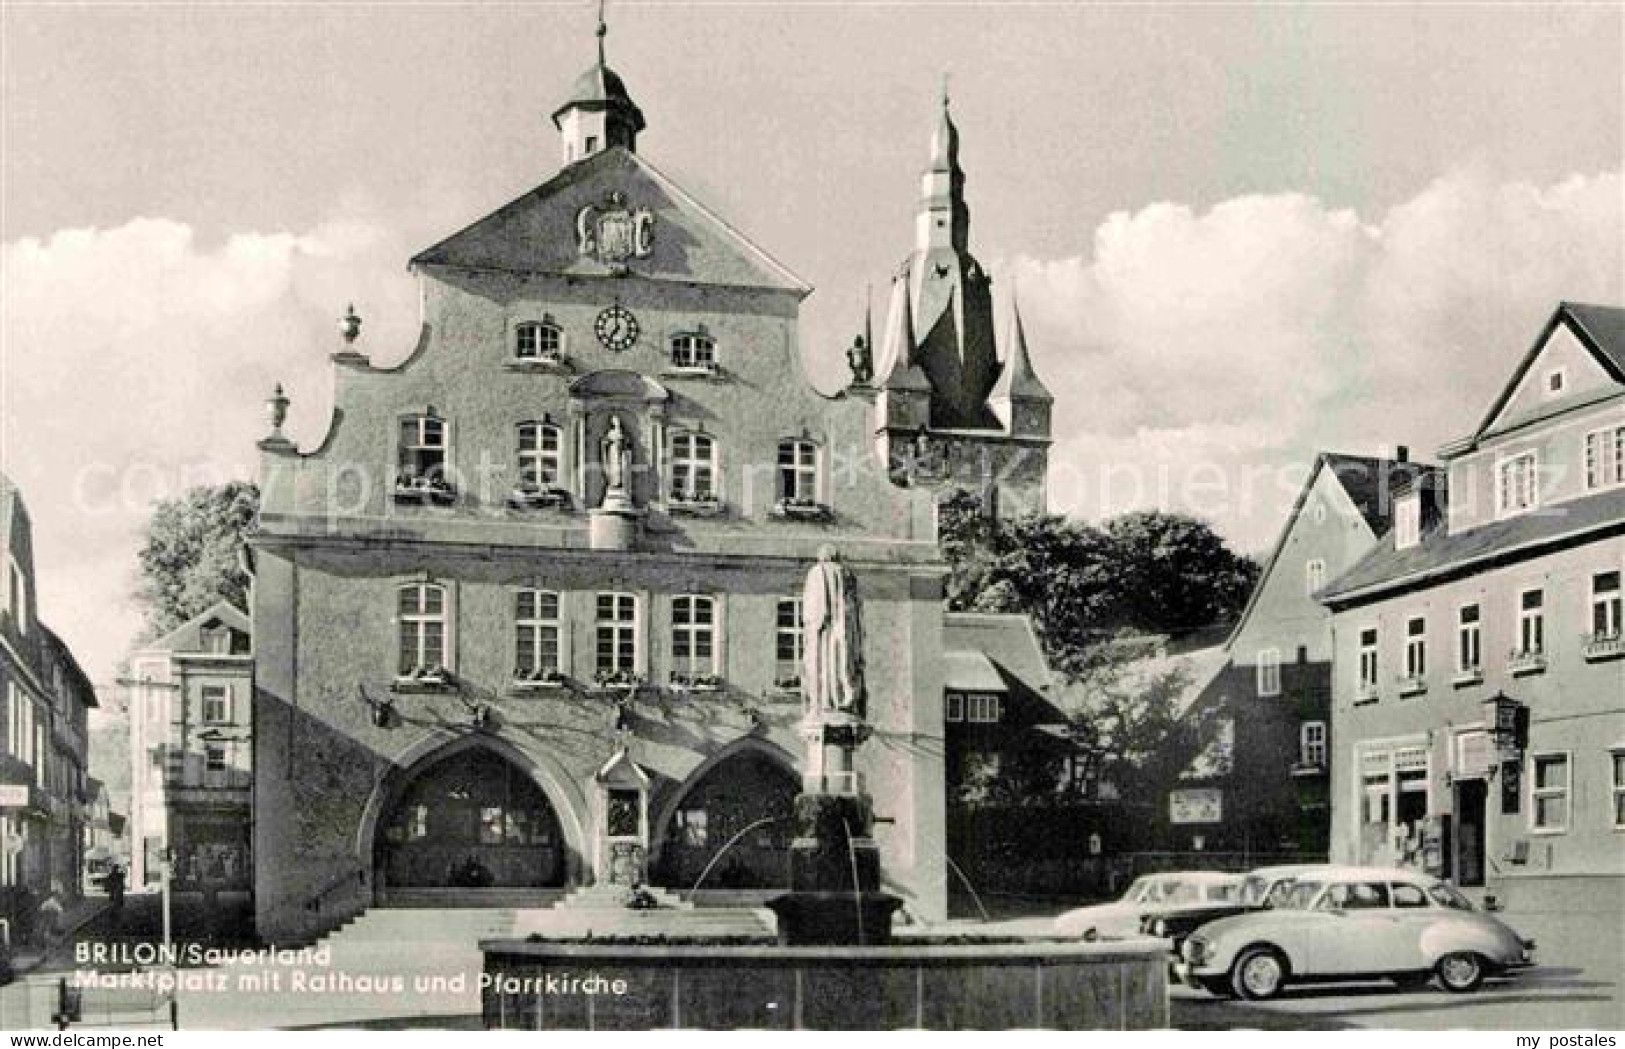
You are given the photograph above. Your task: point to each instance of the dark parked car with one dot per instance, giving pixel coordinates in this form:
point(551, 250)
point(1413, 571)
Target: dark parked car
point(1259, 890)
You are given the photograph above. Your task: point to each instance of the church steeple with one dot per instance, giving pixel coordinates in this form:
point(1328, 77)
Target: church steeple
point(600, 112)
point(943, 220)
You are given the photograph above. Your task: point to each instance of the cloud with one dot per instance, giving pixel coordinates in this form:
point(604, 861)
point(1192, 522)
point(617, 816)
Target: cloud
point(1196, 352)
point(134, 363)
point(1199, 357)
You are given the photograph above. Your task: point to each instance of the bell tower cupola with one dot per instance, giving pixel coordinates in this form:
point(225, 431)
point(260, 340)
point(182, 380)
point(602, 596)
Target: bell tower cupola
point(599, 113)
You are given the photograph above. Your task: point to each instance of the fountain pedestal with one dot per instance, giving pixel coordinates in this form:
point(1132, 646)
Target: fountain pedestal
point(834, 895)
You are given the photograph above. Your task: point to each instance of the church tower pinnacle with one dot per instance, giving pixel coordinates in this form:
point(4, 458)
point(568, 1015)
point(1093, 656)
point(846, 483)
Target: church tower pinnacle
point(943, 220)
point(600, 113)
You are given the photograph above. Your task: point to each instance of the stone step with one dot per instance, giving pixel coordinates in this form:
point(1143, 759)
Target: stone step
point(469, 899)
point(613, 897)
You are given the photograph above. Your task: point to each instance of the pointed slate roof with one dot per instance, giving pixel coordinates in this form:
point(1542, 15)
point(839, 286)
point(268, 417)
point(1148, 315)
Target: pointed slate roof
point(1017, 380)
point(903, 372)
point(536, 234)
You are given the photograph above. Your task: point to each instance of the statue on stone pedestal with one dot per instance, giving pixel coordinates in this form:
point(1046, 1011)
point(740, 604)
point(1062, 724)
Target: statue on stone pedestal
point(832, 640)
point(861, 361)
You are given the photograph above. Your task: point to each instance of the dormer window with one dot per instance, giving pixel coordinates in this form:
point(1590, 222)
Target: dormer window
point(1408, 521)
point(538, 341)
point(1604, 458)
point(694, 352)
point(1516, 489)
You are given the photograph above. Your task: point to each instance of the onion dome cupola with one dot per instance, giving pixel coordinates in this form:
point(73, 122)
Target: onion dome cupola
point(600, 112)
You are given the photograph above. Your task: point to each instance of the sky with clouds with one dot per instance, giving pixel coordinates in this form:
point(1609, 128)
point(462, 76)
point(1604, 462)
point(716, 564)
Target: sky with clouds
point(1239, 233)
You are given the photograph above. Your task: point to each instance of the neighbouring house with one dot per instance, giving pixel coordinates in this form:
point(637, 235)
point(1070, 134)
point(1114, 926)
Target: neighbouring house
point(190, 703)
point(1478, 695)
point(46, 703)
point(527, 616)
point(1269, 701)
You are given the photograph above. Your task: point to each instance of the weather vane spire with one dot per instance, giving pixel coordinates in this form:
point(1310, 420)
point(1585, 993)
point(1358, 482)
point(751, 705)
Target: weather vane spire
point(945, 76)
point(603, 31)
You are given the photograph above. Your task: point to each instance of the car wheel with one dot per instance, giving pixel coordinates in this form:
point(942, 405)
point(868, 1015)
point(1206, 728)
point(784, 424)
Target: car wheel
point(1217, 986)
point(1259, 973)
point(1412, 981)
point(1461, 972)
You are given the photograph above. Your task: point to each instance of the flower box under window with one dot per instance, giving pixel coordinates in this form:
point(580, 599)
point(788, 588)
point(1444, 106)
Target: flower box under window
point(1468, 676)
point(1530, 662)
point(802, 510)
point(1414, 685)
point(1598, 647)
point(424, 679)
point(432, 488)
point(696, 503)
point(682, 682)
point(542, 360)
point(616, 679)
point(694, 370)
point(1365, 692)
point(787, 683)
point(1308, 768)
point(543, 497)
point(537, 679)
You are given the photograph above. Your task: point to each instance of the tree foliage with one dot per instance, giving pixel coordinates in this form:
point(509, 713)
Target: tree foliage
point(192, 553)
point(1088, 588)
point(1147, 572)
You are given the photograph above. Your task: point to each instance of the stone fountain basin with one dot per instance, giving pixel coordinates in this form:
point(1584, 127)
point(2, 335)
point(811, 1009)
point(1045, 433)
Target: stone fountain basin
point(915, 984)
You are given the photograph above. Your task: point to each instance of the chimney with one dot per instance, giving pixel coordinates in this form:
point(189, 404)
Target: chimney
point(1403, 453)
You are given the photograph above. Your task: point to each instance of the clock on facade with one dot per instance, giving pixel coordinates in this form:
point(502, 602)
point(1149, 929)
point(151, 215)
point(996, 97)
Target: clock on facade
point(617, 329)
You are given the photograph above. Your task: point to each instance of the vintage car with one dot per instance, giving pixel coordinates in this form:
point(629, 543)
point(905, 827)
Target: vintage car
point(1352, 923)
point(1259, 889)
point(1150, 894)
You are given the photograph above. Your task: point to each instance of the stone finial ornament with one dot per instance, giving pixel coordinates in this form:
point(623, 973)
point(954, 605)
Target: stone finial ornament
point(276, 407)
point(350, 325)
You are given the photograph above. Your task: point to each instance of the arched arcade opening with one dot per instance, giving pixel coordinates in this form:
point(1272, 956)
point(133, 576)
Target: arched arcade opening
point(469, 819)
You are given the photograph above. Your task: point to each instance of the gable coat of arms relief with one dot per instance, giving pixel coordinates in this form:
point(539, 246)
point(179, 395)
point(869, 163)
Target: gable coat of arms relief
point(613, 232)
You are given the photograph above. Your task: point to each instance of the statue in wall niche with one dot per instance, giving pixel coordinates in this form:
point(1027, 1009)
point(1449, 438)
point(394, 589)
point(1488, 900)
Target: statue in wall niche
point(617, 457)
point(832, 653)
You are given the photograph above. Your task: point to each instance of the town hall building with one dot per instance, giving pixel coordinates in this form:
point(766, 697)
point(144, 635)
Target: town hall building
point(526, 617)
